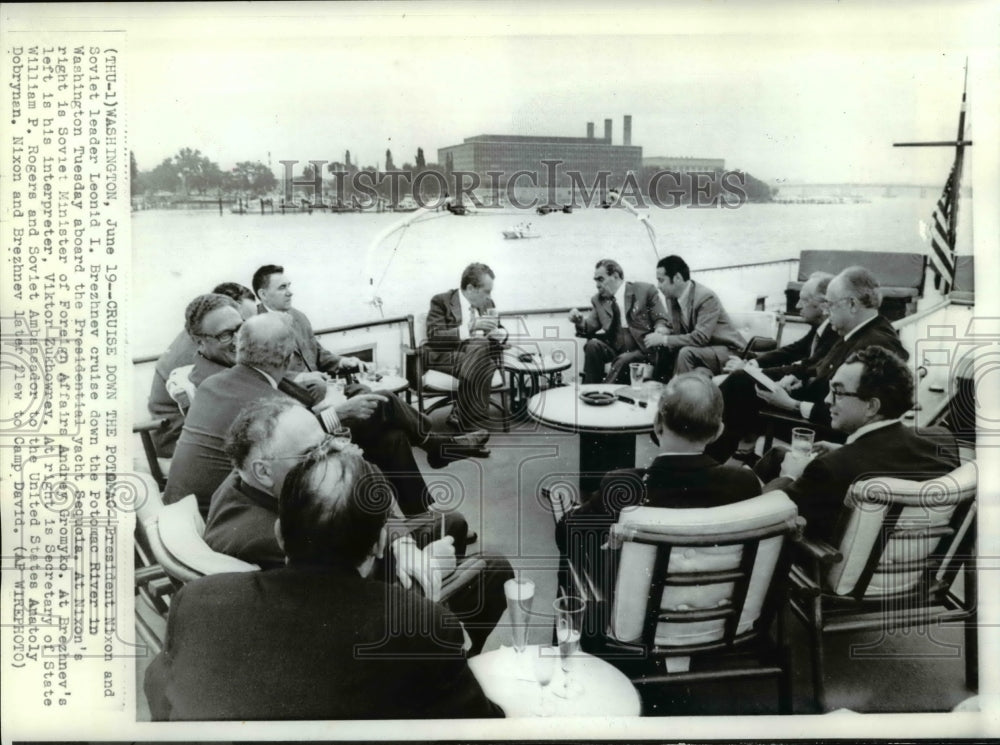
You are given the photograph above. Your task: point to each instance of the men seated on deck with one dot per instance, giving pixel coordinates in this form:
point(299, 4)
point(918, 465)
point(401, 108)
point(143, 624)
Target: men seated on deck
point(183, 351)
point(680, 476)
point(789, 366)
point(264, 442)
point(465, 342)
point(383, 426)
point(701, 334)
point(328, 636)
point(868, 395)
point(622, 316)
point(852, 299)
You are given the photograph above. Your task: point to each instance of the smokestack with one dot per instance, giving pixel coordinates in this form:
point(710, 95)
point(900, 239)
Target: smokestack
point(628, 130)
point(607, 130)
point(590, 130)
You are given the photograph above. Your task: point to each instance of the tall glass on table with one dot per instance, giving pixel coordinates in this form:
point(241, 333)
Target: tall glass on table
point(519, 594)
point(569, 628)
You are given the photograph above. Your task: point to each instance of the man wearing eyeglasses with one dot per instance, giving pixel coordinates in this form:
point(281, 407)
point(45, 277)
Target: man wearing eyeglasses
point(790, 366)
point(327, 636)
point(868, 395)
point(264, 443)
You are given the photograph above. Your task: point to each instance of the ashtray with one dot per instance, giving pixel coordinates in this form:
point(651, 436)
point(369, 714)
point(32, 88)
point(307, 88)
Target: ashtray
point(526, 357)
point(598, 398)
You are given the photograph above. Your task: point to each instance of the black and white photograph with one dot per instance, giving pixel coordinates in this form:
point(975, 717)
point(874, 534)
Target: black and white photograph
point(500, 371)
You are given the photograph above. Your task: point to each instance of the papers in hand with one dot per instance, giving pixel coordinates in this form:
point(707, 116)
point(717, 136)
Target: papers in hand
point(760, 378)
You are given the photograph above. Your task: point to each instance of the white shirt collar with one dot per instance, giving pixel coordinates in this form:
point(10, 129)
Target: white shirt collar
point(860, 326)
point(684, 295)
point(821, 329)
point(620, 296)
point(870, 427)
point(272, 381)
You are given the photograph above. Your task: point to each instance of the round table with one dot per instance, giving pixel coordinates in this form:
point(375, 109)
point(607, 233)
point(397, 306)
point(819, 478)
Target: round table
point(388, 384)
point(607, 433)
point(606, 691)
point(526, 374)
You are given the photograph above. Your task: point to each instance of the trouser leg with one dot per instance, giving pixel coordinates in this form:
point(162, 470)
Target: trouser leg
point(740, 415)
point(692, 358)
point(391, 451)
point(477, 364)
point(480, 602)
point(596, 354)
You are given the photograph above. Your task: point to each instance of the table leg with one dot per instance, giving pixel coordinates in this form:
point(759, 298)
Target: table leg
point(600, 453)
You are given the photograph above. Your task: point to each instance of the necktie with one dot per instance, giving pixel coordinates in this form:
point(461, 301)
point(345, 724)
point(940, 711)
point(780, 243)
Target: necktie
point(815, 343)
point(676, 317)
point(614, 330)
point(472, 319)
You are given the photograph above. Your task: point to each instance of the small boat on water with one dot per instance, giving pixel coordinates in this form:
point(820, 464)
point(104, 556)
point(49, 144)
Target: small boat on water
point(520, 232)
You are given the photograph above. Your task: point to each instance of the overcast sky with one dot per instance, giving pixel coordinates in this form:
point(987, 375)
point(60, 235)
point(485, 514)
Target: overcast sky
point(814, 91)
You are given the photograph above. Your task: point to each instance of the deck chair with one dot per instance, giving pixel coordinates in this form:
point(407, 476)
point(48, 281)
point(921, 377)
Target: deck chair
point(175, 535)
point(156, 467)
point(695, 594)
point(435, 384)
point(761, 328)
point(903, 545)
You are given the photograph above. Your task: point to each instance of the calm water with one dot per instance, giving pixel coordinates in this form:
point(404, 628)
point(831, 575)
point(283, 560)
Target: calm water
point(179, 254)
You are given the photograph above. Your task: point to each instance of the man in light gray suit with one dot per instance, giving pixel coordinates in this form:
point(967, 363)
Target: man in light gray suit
point(701, 333)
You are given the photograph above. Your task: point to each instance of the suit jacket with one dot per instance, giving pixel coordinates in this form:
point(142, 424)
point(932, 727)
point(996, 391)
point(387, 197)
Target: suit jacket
point(444, 322)
point(708, 324)
point(241, 523)
point(200, 464)
point(309, 354)
point(310, 643)
point(798, 358)
point(878, 331)
point(894, 450)
point(675, 481)
point(643, 313)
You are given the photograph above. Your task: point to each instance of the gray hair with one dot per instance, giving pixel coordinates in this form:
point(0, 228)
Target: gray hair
point(863, 285)
point(266, 341)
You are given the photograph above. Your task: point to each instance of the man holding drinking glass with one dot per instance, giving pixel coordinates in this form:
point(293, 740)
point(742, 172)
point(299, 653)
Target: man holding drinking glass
point(464, 339)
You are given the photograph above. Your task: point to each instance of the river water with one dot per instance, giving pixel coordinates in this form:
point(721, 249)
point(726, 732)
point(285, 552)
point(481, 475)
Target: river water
point(179, 254)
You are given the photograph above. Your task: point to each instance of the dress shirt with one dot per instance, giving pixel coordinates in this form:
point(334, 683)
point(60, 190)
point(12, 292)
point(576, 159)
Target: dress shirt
point(468, 313)
point(806, 407)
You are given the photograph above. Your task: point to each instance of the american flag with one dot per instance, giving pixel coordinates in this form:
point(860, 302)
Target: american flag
point(943, 224)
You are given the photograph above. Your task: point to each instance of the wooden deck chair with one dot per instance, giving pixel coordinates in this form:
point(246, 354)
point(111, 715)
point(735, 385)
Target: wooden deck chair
point(435, 384)
point(903, 545)
point(695, 594)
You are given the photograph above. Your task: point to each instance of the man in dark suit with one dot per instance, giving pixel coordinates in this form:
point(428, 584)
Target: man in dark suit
point(621, 317)
point(265, 441)
point(381, 424)
point(701, 335)
point(324, 637)
point(789, 366)
point(868, 395)
point(465, 341)
point(187, 349)
point(681, 476)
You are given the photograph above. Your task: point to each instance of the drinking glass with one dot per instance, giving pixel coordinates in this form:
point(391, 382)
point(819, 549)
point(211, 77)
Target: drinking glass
point(569, 627)
point(802, 441)
point(519, 594)
point(636, 371)
point(545, 667)
point(342, 435)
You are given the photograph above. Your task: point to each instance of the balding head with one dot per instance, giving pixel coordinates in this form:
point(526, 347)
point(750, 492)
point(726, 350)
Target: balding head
point(266, 342)
point(690, 412)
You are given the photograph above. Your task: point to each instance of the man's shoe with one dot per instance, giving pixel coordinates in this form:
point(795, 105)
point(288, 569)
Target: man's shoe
point(454, 420)
point(458, 447)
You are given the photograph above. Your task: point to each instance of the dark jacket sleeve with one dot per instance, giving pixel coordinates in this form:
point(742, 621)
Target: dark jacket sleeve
point(783, 357)
point(818, 493)
point(441, 329)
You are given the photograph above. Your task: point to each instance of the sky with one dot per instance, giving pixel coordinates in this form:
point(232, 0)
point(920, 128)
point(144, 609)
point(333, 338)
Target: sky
point(813, 92)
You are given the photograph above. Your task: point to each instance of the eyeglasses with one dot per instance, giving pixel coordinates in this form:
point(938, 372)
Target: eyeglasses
point(223, 337)
point(329, 444)
point(836, 393)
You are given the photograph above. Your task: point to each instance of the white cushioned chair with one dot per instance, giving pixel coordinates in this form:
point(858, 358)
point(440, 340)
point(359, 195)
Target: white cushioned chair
point(902, 546)
point(180, 388)
point(696, 592)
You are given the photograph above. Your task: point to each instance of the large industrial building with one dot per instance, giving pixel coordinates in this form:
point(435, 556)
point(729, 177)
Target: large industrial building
point(509, 154)
point(679, 164)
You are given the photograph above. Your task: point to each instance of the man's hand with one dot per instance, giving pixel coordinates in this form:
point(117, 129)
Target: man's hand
point(314, 384)
point(656, 339)
point(359, 407)
point(734, 364)
point(778, 398)
point(793, 464)
point(428, 567)
point(824, 447)
point(498, 335)
point(486, 324)
point(575, 316)
point(790, 383)
point(351, 364)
